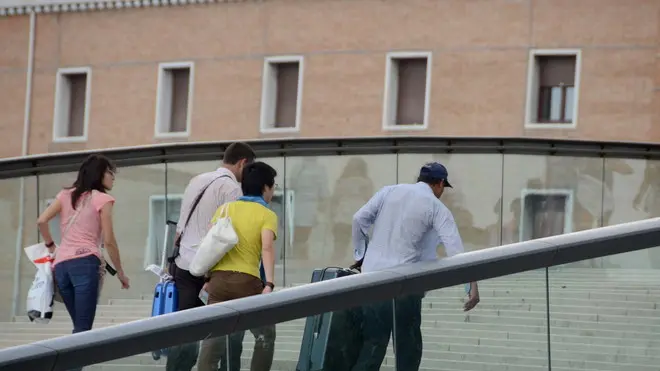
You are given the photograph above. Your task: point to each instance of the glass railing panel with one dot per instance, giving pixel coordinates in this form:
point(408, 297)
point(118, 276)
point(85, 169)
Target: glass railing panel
point(324, 193)
point(296, 345)
point(138, 220)
point(16, 270)
point(179, 175)
point(280, 204)
point(545, 196)
point(507, 330)
point(603, 310)
point(476, 197)
point(606, 317)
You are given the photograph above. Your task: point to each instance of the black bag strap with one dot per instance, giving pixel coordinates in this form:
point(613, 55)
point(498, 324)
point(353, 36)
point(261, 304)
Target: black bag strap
point(196, 202)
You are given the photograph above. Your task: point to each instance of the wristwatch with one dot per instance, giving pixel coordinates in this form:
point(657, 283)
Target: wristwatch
point(270, 284)
point(50, 244)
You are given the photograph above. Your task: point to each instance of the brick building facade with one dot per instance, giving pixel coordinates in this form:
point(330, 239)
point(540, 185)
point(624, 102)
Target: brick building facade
point(126, 73)
point(99, 74)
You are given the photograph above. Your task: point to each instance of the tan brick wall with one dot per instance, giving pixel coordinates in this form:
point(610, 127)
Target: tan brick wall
point(479, 76)
point(14, 38)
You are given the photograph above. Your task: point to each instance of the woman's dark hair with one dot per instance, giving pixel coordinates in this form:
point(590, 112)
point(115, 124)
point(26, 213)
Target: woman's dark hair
point(90, 176)
point(256, 176)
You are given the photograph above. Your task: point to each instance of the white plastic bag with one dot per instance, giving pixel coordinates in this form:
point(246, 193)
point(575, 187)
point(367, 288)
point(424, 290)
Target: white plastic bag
point(41, 294)
point(218, 241)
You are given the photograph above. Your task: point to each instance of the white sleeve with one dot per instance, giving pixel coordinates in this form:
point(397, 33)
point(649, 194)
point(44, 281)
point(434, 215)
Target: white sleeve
point(445, 226)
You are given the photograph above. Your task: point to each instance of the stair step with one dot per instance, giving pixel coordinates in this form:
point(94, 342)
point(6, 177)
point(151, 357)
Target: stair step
point(605, 320)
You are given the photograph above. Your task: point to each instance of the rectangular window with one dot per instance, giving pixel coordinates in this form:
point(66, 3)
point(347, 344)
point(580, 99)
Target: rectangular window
point(175, 89)
point(546, 213)
point(159, 214)
point(553, 88)
point(281, 94)
point(72, 96)
point(407, 90)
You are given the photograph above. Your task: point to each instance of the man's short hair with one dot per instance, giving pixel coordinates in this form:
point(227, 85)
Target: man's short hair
point(429, 180)
point(256, 176)
point(238, 151)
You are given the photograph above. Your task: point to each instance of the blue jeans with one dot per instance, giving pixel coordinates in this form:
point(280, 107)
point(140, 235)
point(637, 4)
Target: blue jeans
point(78, 281)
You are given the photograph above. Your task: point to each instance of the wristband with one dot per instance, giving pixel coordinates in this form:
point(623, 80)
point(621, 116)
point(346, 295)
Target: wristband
point(270, 284)
point(50, 244)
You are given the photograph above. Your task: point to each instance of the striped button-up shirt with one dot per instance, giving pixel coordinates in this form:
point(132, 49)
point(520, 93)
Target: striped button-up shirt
point(221, 191)
point(409, 223)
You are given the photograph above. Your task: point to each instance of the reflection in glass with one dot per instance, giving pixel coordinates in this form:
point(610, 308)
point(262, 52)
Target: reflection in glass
point(554, 195)
point(605, 319)
point(326, 192)
point(352, 190)
point(16, 271)
point(135, 191)
point(545, 213)
point(506, 331)
point(523, 198)
point(647, 198)
point(309, 182)
point(161, 209)
point(570, 186)
point(472, 194)
point(282, 204)
point(635, 191)
point(138, 192)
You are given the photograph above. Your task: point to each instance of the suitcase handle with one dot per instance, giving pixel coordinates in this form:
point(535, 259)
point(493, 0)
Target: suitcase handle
point(317, 319)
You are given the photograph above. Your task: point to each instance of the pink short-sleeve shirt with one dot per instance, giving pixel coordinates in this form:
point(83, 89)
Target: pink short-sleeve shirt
point(84, 236)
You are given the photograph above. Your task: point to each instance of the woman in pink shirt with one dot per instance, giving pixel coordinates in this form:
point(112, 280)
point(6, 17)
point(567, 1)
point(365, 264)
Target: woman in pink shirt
point(86, 218)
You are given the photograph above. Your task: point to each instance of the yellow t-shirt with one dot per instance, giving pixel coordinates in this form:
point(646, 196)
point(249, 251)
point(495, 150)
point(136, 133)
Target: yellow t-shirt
point(248, 220)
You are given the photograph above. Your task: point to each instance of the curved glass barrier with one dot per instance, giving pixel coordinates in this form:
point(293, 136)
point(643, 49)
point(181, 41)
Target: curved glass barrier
point(497, 199)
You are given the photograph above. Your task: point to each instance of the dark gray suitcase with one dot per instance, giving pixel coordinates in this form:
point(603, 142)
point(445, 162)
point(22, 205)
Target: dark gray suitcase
point(331, 341)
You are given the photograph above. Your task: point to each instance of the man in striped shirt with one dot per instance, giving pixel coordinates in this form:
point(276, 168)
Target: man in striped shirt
point(211, 190)
point(409, 222)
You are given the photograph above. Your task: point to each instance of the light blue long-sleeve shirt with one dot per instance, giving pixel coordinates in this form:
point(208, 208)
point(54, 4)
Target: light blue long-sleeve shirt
point(409, 223)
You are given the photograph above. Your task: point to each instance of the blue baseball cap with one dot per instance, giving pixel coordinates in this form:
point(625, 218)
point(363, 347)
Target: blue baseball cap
point(435, 171)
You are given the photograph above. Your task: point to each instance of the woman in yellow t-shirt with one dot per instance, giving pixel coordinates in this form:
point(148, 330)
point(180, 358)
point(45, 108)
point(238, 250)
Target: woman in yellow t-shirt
point(237, 274)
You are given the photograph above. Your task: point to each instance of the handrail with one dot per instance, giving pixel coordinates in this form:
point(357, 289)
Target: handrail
point(203, 151)
point(145, 335)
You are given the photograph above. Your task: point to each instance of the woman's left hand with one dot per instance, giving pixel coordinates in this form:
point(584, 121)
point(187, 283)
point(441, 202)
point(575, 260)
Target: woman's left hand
point(125, 283)
point(267, 290)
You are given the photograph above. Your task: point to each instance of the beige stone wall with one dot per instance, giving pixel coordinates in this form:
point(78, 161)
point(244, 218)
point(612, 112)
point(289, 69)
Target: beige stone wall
point(479, 72)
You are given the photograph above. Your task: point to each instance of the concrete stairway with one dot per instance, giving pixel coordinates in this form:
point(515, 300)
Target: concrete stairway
point(606, 320)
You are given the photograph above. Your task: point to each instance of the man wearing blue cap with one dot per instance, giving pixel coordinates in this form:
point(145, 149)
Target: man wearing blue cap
point(409, 222)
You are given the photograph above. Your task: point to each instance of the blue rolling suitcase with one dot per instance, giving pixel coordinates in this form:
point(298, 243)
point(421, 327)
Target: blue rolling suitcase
point(166, 296)
point(331, 341)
